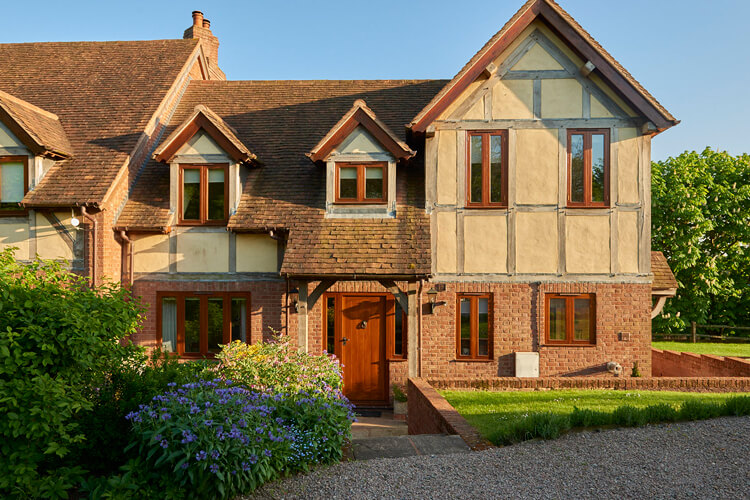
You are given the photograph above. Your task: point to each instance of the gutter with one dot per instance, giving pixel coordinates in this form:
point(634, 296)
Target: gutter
point(131, 252)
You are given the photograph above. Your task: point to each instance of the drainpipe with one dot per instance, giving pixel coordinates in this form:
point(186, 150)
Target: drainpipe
point(131, 253)
point(93, 242)
point(286, 298)
point(419, 327)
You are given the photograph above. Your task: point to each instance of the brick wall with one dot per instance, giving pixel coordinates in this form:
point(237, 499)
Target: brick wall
point(519, 320)
point(687, 364)
point(266, 304)
point(431, 413)
point(684, 384)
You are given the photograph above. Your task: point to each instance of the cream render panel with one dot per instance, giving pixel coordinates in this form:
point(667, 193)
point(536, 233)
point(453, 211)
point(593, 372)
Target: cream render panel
point(537, 59)
point(256, 253)
point(537, 166)
point(360, 141)
point(201, 144)
point(627, 236)
point(513, 99)
point(485, 244)
point(15, 234)
point(151, 253)
point(446, 242)
point(587, 241)
point(49, 242)
point(627, 165)
point(562, 99)
point(203, 252)
point(536, 242)
point(446, 167)
point(598, 110)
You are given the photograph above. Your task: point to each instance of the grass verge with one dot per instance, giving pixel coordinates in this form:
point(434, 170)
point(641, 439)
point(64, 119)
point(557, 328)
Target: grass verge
point(742, 350)
point(511, 417)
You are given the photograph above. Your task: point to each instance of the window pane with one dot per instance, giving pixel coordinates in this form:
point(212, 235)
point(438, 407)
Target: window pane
point(398, 339)
point(597, 167)
point(216, 194)
point(496, 166)
point(582, 319)
point(191, 194)
point(239, 319)
point(192, 325)
point(169, 323)
point(465, 346)
point(476, 170)
point(215, 324)
point(557, 319)
point(374, 183)
point(576, 168)
point(11, 185)
point(348, 183)
point(331, 325)
point(483, 332)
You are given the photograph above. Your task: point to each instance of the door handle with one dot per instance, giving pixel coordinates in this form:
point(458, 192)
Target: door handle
point(344, 340)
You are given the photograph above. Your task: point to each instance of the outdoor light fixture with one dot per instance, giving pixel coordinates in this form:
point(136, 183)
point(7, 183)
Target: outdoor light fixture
point(294, 295)
point(434, 303)
point(74, 221)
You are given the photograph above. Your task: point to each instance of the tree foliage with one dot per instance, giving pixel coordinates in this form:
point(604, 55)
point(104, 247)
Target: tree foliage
point(59, 341)
point(701, 221)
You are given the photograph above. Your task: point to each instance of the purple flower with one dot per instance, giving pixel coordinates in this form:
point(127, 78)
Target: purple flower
point(253, 459)
point(208, 423)
point(158, 437)
point(245, 466)
point(184, 466)
point(166, 416)
point(208, 404)
point(164, 444)
point(194, 410)
point(201, 455)
point(172, 384)
point(267, 453)
point(215, 455)
point(214, 468)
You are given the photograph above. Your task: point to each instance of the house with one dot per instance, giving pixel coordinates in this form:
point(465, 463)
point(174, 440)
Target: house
point(494, 224)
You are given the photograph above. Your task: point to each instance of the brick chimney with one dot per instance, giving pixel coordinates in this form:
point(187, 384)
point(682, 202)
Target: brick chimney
point(201, 29)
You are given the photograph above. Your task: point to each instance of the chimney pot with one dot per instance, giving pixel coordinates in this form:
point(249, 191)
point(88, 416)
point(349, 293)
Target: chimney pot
point(206, 24)
point(197, 18)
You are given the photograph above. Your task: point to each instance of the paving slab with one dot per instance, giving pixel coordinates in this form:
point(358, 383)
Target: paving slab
point(407, 446)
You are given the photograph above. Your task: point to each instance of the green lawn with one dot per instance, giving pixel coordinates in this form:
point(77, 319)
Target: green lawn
point(706, 348)
point(498, 415)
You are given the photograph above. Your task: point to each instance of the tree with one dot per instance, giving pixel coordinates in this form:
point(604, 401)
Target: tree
point(701, 221)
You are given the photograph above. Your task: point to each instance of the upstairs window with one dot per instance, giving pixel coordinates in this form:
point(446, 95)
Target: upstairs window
point(588, 168)
point(571, 319)
point(361, 183)
point(203, 194)
point(13, 184)
point(487, 175)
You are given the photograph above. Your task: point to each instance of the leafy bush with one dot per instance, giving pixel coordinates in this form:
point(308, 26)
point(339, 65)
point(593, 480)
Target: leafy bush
point(737, 406)
point(215, 438)
point(589, 418)
point(59, 338)
point(279, 366)
point(695, 410)
point(399, 394)
point(536, 425)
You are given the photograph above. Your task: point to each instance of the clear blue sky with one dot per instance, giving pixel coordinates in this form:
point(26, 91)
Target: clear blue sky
point(694, 56)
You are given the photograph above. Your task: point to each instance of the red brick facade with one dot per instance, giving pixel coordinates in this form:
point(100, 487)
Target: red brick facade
point(688, 364)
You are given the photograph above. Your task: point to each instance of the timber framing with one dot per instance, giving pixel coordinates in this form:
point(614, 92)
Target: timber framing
point(579, 41)
point(360, 115)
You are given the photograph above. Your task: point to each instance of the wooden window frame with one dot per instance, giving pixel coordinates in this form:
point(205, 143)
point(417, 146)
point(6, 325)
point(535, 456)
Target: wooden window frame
point(474, 319)
point(203, 296)
point(203, 194)
point(360, 199)
point(570, 319)
point(25, 161)
point(390, 324)
point(587, 168)
point(486, 135)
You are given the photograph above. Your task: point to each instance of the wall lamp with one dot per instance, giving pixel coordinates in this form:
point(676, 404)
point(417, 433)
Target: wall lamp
point(434, 302)
point(294, 295)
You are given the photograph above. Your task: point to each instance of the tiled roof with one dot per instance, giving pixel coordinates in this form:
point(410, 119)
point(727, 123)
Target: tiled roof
point(104, 94)
point(41, 128)
point(280, 121)
point(529, 11)
point(663, 277)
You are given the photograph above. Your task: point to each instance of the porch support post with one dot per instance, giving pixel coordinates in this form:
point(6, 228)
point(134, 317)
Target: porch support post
point(411, 329)
point(302, 316)
point(400, 296)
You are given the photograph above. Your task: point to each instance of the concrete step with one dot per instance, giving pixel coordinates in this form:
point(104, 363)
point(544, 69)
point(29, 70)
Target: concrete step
point(407, 446)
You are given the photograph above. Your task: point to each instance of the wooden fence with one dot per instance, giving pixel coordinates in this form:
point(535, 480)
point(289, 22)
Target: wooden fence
point(693, 336)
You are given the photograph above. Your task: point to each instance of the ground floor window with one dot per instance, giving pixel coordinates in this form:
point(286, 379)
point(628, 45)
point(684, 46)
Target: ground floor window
point(571, 319)
point(473, 329)
point(194, 324)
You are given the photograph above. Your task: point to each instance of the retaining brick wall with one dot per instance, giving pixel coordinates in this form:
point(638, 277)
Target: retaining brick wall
point(431, 413)
point(683, 384)
point(686, 364)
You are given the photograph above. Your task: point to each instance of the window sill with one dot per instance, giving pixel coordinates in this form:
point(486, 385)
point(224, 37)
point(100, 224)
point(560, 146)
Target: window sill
point(468, 360)
point(397, 360)
point(587, 207)
point(486, 207)
point(567, 345)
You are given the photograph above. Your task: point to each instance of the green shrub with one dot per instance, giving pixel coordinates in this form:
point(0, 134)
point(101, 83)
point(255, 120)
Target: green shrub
point(536, 425)
point(279, 366)
point(214, 438)
point(59, 338)
point(737, 406)
point(698, 410)
point(661, 412)
point(589, 418)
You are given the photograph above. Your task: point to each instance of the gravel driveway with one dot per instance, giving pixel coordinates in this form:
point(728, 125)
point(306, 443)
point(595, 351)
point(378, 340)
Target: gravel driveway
point(708, 459)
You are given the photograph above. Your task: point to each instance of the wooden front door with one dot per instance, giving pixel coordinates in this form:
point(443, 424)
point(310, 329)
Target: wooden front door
point(362, 348)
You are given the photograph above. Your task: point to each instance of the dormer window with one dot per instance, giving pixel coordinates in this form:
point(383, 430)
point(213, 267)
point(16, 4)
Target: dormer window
point(204, 194)
point(361, 183)
point(13, 184)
